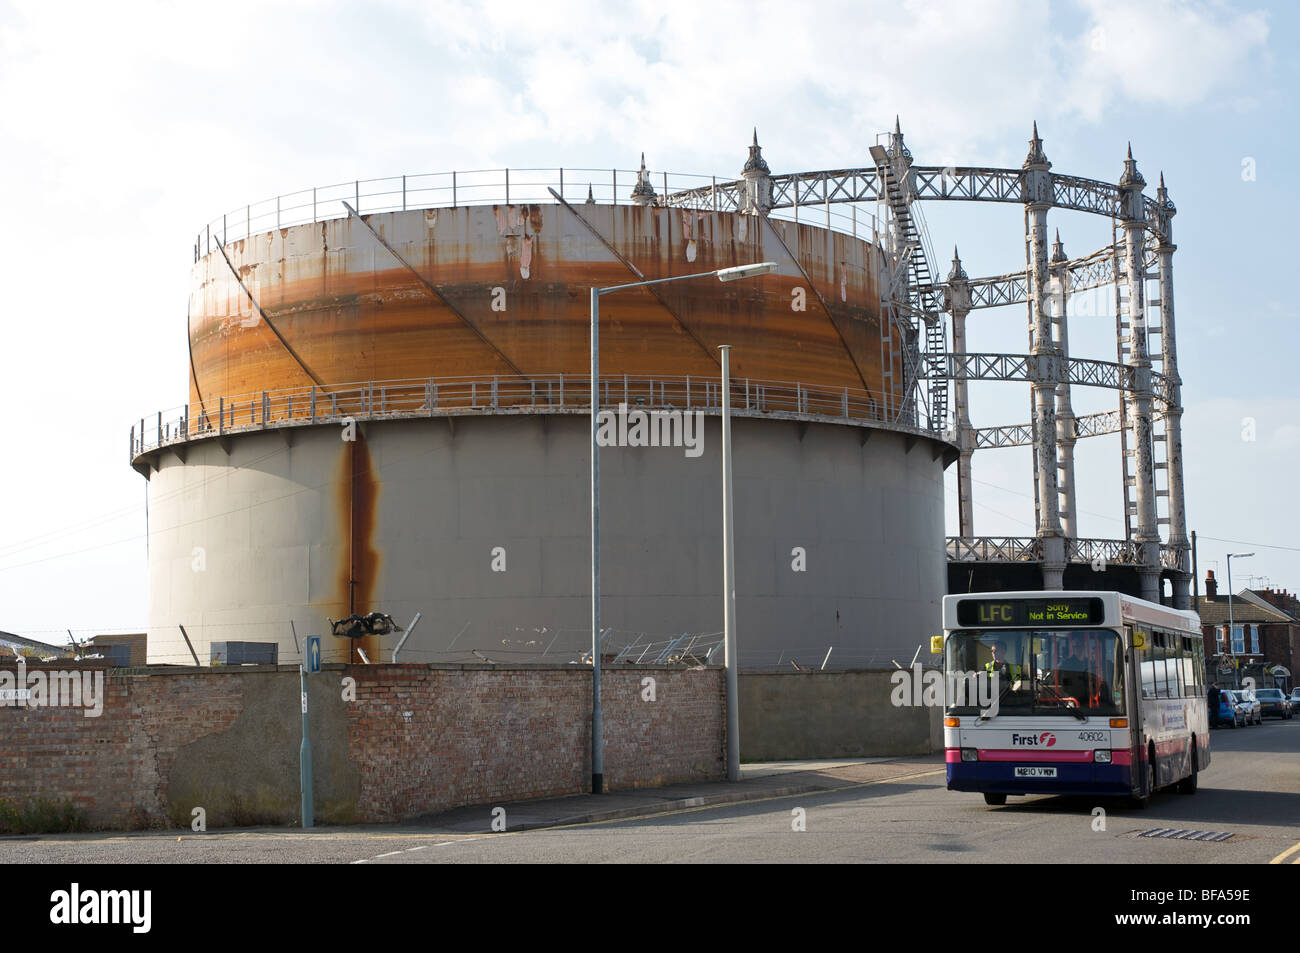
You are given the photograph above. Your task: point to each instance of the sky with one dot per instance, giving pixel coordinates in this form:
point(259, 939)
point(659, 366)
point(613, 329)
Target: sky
point(125, 127)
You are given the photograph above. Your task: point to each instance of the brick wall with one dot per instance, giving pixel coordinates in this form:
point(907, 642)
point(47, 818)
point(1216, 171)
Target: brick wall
point(417, 740)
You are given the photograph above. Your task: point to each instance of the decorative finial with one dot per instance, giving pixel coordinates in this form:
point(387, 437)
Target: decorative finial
point(957, 272)
point(643, 193)
point(1131, 178)
point(591, 199)
point(755, 163)
point(1162, 197)
point(1058, 250)
point(897, 148)
point(1036, 155)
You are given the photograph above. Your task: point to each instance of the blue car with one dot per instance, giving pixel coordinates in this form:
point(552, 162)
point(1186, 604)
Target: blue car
point(1230, 713)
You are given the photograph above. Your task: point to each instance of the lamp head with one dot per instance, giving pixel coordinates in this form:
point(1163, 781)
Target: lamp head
point(746, 271)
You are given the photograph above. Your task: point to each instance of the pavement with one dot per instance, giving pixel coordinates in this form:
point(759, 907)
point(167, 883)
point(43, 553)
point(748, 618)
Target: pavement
point(758, 781)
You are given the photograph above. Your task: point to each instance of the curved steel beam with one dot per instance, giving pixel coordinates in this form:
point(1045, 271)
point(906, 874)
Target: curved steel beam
point(931, 183)
point(1029, 367)
point(1022, 435)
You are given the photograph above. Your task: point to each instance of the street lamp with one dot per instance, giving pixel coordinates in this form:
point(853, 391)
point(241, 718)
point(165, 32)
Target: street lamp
point(1231, 649)
point(597, 727)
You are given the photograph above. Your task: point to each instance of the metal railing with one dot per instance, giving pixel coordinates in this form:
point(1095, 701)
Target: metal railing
point(548, 393)
point(1028, 549)
point(493, 187)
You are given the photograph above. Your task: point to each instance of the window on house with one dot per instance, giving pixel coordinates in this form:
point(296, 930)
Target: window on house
point(1254, 639)
point(1238, 640)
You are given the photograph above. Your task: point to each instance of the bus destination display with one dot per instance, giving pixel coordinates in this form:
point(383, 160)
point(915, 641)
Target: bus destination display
point(1029, 613)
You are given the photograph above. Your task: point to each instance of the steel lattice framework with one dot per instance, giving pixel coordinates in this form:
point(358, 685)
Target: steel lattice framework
point(913, 303)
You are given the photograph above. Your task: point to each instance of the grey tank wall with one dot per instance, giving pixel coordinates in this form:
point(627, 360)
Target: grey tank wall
point(242, 542)
point(848, 714)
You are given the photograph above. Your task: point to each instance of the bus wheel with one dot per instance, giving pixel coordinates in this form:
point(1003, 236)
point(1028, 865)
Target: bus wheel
point(1139, 802)
point(1188, 784)
point(995, 800)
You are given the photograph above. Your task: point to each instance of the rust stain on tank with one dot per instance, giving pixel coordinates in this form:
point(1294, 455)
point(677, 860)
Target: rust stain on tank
point(357, 501)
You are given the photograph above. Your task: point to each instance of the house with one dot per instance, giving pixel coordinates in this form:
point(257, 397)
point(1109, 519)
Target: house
point(1253, 635)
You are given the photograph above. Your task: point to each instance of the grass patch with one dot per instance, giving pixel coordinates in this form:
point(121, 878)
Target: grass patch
point(41, 816)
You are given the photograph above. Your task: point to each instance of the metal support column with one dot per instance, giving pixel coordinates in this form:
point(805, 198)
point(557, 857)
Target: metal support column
point(1047, 365)
point(1146, 530)
point(959, 307)
point(1173, 412)
point(1065, 430)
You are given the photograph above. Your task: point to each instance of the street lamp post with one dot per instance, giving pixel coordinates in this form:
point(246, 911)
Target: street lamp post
point(1236, 681)
point(597, 727)
point(729, 577)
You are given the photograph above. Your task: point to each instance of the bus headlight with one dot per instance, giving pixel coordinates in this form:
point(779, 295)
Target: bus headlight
point(1101, 756)
point(970, 754)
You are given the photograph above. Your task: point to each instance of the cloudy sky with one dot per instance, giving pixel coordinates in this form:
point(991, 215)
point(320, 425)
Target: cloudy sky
point(126, 126)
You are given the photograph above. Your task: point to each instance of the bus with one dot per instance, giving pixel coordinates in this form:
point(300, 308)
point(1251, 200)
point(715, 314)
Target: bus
point(1076, 693)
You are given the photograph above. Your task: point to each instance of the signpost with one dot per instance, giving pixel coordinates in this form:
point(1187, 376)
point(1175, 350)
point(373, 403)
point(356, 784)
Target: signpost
point(310, 663)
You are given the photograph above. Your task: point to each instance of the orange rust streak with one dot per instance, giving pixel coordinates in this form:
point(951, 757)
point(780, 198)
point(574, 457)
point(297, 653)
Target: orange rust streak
point(360, 560)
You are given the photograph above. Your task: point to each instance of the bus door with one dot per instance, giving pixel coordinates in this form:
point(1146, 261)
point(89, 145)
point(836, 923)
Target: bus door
point(1137, 650)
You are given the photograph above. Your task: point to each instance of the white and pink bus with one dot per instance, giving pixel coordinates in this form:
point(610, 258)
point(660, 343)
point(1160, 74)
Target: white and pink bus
point(1078, 693)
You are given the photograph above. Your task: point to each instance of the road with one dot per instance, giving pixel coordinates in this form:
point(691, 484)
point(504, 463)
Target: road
point(1251, 790)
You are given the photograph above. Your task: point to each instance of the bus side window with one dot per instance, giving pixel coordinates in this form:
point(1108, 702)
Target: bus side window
point(1161, 657)
point(1146, 666)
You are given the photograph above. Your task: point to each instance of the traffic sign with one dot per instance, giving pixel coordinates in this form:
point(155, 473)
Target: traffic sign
point(313, 654)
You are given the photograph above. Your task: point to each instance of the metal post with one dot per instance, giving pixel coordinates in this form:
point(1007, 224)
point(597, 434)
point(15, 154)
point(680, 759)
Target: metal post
point(1232, 650)
point(597, 729)
point(1146, 532)
point(507, 186)
point(729, 576)
point(403, 193)
point(453, 190)
point(1046, 364)
point(313, 205)
point(1174, 409)
point(356, 195)
point(959, 308)
point(1065, 425)
point(304, 757)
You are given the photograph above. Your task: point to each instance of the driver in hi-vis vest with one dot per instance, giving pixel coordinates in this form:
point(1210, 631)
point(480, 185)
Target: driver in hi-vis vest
point(1007, 672)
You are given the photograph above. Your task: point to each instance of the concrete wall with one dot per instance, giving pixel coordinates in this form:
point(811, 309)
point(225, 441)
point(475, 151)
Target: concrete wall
point(416, 740)
point(243, 543)
point(800, 715)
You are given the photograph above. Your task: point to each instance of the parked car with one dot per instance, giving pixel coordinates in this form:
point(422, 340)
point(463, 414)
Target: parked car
point(1295, 698)
point(1273, 702)
point(1231, 714)
point(1250, 705)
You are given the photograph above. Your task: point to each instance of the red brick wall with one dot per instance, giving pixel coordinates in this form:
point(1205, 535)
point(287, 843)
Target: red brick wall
point(486, 736)
point(420, 739)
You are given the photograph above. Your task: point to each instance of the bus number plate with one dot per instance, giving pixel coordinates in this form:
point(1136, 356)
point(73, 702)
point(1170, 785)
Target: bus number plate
point(1035, 772)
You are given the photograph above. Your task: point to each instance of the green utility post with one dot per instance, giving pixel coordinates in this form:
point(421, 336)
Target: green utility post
point(310, 662)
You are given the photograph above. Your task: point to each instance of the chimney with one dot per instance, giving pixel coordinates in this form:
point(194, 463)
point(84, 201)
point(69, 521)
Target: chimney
point(1211, 587)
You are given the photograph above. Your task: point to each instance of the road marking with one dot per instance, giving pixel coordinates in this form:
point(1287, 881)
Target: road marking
point(686, 810)
point(1287, 853)
point(407, 850)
